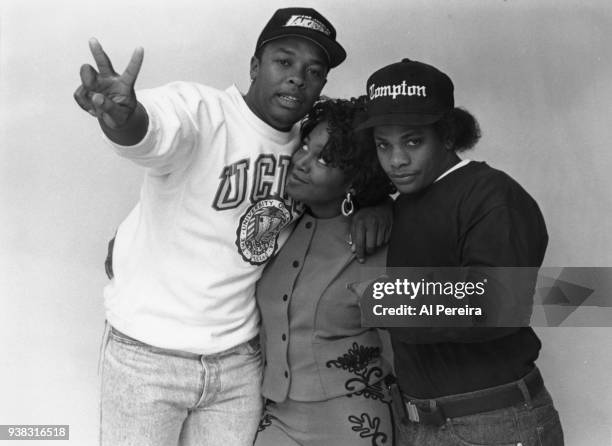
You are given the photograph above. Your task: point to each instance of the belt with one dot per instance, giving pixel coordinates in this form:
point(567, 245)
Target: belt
point(437, 411)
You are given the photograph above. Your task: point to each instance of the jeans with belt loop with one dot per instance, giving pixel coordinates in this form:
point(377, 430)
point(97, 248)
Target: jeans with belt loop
point(156, 397)
point(533, 422)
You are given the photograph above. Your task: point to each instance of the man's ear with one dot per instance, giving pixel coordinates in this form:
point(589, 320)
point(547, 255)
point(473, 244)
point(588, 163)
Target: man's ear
point(254, 68)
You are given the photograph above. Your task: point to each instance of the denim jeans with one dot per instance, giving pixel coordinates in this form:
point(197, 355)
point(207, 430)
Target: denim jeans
point(151, 396)
point(534, 422)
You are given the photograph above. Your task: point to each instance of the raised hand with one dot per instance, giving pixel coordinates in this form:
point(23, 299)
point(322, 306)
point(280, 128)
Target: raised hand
point(106, 94)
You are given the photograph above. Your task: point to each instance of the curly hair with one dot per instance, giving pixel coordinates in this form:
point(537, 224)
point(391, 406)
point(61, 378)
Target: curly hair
point(460, 127)
point(349, 150)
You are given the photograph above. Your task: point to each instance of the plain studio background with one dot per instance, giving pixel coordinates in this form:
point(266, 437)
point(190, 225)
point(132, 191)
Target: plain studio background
point(535, 73)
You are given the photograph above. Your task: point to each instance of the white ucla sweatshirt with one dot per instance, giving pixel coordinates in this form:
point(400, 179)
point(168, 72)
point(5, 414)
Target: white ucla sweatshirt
point(212, 211)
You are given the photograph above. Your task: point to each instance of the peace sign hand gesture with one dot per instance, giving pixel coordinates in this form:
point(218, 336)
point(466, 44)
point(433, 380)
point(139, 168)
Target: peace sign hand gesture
point(106, 94)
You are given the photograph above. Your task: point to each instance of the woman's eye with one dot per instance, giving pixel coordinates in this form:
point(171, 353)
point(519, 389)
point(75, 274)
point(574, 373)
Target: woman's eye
point(381, 146)
point(283, 62)
point(414, 142)
point(322, 161)
point(304, 147)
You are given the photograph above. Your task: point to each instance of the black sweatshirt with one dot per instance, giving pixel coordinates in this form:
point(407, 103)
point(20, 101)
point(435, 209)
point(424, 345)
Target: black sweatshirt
point(474, 216)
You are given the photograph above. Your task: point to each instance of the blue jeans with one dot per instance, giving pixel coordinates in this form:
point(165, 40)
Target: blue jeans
point(151, 396)
point(535, 422)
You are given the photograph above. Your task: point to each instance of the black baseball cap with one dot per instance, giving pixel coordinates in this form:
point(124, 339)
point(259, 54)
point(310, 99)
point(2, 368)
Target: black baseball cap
point(308, 24)
point(407, 93)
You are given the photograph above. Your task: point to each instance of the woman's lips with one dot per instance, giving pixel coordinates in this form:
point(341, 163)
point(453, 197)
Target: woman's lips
point(296, 178)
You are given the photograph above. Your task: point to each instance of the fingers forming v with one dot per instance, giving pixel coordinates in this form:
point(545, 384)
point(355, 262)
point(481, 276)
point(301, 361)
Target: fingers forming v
point(102, 61)
point(133, 68)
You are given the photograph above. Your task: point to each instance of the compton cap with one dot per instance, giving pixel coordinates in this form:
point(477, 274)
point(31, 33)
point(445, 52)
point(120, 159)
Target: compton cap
point(407, 93)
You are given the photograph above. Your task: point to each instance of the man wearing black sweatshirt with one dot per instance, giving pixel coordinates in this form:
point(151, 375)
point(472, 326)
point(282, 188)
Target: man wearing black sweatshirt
point(476, 383)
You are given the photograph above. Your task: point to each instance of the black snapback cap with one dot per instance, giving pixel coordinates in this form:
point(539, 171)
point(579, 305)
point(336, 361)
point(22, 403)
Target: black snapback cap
point(407, 93)
point(306, 23)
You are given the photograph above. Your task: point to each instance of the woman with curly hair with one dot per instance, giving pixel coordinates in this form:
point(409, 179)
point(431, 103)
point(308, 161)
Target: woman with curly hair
point(324, 373)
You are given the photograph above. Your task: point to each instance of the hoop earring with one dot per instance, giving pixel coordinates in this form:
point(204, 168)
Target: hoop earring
point(347, 207)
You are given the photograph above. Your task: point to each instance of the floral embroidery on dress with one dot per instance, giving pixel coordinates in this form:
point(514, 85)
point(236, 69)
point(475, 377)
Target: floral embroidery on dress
point(356, 361)
point(368, 428)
